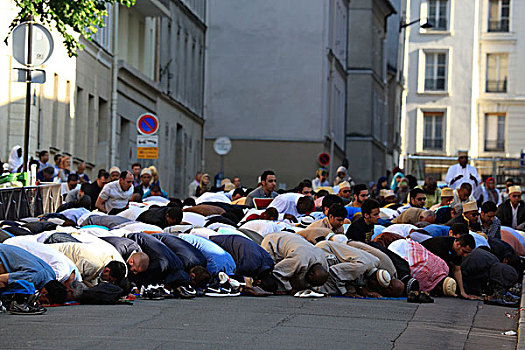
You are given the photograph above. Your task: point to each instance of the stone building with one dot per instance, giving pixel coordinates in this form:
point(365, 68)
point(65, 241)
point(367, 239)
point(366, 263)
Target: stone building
point(148, 58)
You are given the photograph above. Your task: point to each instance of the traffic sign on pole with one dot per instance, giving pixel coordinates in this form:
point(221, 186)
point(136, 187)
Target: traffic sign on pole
point(147, 147)
point(32, 44)
point(148, 124)
point(323, 159)
point(222, 145)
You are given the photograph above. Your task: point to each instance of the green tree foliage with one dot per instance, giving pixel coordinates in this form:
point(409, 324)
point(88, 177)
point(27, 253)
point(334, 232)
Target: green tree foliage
point(82, 16)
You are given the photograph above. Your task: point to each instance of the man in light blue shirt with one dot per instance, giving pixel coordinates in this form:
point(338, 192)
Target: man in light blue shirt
point(17, 264)
point(217, 258)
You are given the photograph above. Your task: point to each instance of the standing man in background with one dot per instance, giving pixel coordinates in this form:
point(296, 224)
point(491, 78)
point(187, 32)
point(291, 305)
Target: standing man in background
point(463, 172)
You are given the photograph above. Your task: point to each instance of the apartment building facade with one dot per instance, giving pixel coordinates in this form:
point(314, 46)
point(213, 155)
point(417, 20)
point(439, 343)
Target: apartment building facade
point(463, 79)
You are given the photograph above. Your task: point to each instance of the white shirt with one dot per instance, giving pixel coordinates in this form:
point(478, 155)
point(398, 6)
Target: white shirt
point(134, 226)
point(458, 200)
point(114, 196)
point(262, 227)
point(132, 212)
point(286, 203)
point(218, 197)
point(400, 229)
point(515, 215)
point(195, 219)
point(456, 170)
point(64, 189)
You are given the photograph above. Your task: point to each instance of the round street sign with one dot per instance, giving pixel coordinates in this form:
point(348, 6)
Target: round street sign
point(147, 124)
point(42, 44)
point(222, 145)
point(323, 159)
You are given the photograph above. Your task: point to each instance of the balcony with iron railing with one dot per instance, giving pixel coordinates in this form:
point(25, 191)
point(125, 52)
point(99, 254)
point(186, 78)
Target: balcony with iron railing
point(435, 144)
point(496, 85)
point(498, 26)
point(494, 145)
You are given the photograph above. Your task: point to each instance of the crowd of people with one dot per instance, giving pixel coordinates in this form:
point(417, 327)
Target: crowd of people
point(121, 236)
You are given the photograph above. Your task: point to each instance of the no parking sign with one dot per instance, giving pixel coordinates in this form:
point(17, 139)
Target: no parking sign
point(148, 124)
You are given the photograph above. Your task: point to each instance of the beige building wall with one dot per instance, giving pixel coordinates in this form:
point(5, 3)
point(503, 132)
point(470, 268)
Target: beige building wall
point(510, 103)
point(292, 161)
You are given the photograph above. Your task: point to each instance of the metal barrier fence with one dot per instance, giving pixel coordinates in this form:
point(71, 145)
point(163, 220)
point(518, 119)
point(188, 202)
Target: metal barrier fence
point(497, 167)
point(21, 202)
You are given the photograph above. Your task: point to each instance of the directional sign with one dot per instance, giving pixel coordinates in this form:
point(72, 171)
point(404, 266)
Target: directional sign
point(148, 124)
point(38, 76)
point(147, 147)
point(147, 141)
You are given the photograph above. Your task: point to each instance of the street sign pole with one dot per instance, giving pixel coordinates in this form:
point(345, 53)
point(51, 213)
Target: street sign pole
point(222, 166)
point(222, 147)
point(28, 91)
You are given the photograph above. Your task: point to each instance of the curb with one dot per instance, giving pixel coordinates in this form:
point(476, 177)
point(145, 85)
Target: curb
point(521, 322)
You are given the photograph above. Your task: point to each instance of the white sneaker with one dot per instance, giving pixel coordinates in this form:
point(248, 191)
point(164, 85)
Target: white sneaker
point(308, 293)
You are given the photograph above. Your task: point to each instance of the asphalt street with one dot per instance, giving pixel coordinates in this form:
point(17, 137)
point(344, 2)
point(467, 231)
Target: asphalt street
point(279, 322)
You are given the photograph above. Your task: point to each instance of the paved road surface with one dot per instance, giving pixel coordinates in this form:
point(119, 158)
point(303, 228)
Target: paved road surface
point(264, 323)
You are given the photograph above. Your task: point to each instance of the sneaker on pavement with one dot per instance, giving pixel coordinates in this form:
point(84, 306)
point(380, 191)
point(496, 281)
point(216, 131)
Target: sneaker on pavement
point(16, 308)
point(227, 282)
point(308, 293)
point(220, 292)
point(185, 292)
point(151, 293)
point(413, 297)
point(425, 298)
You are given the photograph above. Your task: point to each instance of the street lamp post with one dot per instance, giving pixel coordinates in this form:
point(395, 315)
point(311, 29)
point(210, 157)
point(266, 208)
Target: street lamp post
point(425, 25)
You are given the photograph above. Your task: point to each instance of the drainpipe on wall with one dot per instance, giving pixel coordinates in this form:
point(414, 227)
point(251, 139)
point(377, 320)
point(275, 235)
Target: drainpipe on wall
point(332, 142)
point(114, 92)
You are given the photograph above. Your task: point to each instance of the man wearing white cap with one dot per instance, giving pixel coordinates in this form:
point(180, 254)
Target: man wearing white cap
point(447, 196)
point(114, 173)
point(469, 217)
point(462, 172)
point(342, 176)
point(512, 212)
point(345, 191)
point(389, 198)
point(145, 182)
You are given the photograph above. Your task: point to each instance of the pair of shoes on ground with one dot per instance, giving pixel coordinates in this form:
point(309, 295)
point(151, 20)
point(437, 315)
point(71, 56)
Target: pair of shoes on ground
point(18, 304)
point(419, 297)
point(502, 299)
point(158, 292)
point(16, 308)
point(227, 287)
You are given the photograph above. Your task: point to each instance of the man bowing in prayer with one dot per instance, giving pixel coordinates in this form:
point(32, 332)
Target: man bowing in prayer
point(298, 264)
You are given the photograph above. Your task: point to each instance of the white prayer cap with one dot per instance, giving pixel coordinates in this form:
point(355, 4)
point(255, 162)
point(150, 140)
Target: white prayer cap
point(515, 189)
point(383, 277)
